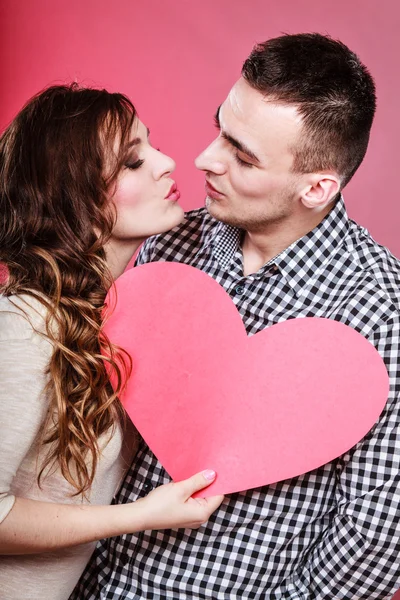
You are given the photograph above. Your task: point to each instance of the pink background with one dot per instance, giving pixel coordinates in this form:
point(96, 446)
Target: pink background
point(177, 59)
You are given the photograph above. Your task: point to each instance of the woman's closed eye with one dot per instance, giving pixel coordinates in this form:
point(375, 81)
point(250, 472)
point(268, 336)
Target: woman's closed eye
point(134, 164)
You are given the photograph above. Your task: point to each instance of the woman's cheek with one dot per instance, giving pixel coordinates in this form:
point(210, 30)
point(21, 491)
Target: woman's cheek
point(127, 193)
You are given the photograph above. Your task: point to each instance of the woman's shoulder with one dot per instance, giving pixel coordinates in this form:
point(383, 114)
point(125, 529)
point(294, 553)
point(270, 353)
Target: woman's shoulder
point(22, 317)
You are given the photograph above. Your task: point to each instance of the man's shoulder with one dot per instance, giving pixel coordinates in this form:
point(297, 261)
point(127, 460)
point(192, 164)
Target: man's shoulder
point(379, 266)
point(371, 254)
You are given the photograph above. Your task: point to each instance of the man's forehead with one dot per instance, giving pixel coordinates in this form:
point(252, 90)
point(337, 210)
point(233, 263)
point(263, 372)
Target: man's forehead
point(234, 99)
point(239, 99)
point(253, 109)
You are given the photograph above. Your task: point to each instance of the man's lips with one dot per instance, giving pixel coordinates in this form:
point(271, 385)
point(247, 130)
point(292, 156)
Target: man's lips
point(173, 194)
point(211, 191)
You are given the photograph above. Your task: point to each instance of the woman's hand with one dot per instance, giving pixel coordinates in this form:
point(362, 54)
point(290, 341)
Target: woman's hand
point(171, 506)
point(33, 526)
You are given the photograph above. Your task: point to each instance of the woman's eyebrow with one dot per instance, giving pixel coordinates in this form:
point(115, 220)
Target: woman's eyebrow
point(136, 141)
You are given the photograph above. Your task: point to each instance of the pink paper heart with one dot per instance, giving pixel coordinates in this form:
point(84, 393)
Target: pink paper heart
point(256, 409)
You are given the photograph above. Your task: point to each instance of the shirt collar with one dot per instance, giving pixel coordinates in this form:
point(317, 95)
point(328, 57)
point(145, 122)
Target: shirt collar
point(303, 259)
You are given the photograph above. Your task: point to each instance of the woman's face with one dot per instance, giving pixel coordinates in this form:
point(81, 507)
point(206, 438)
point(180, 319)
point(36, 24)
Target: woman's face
point(145, 196)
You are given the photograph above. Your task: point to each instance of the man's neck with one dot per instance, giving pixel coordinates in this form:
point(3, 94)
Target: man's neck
point(259, 247)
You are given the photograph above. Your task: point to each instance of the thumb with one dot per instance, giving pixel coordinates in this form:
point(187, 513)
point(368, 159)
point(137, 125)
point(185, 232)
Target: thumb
point(198, 482)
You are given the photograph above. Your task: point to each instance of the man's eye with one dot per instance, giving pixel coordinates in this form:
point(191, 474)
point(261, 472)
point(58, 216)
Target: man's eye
point(241, 162)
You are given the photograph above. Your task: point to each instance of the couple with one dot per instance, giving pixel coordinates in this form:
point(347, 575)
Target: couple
point(81, 188)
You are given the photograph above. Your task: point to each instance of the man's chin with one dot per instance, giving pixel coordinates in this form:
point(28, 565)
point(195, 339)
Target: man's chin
point(214, 208)
point(217, 211)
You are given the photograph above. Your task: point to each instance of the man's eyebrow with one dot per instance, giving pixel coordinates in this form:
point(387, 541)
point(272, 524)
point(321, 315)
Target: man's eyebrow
point(136, 141)
point(216, 117)
point(233, 141)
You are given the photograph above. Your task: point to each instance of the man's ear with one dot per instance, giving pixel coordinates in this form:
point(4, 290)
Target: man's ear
point(320, 191)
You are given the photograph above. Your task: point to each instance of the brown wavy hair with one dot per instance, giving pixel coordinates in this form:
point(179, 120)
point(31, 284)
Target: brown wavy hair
point(59, 160)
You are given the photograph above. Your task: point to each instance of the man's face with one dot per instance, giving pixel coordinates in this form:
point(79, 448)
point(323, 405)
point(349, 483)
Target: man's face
point(249, 182)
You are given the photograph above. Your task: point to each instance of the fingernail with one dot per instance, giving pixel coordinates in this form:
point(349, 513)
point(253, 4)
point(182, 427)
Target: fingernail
point(209, 474)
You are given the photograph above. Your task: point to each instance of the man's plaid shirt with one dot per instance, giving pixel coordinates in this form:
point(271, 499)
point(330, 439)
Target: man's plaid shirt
point(332, 533)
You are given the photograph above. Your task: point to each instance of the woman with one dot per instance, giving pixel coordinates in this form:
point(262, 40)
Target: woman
point(80, 188)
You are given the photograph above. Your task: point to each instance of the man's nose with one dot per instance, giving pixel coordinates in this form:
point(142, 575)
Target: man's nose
point(209, 160)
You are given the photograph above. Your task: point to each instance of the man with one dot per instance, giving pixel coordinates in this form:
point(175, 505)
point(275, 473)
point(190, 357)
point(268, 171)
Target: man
point(275, 234)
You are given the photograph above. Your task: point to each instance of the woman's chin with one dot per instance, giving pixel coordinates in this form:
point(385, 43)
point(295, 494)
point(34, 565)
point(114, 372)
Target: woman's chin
point(175, 216)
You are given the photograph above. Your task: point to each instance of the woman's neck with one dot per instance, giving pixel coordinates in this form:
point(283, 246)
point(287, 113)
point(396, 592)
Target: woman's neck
point(119, 254)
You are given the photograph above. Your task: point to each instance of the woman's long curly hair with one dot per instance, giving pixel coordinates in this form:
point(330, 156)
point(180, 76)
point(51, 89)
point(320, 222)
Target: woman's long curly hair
point(59, 161)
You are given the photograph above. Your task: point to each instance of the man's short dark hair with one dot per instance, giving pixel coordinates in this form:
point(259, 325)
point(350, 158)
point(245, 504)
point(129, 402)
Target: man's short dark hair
point(333, 91)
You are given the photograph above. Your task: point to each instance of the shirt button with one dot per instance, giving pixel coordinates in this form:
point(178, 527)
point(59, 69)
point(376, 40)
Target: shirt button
point(147, 486)
point(239, 289)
